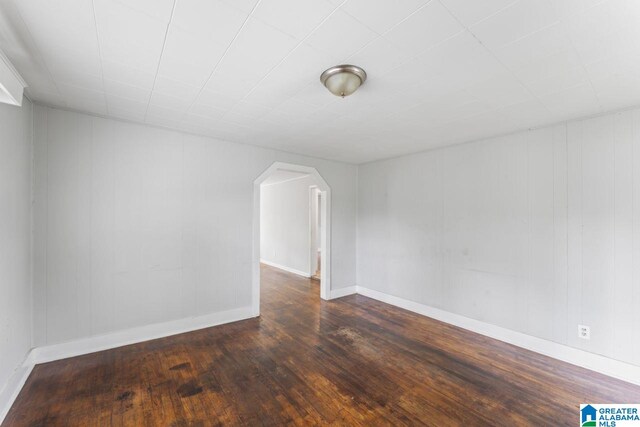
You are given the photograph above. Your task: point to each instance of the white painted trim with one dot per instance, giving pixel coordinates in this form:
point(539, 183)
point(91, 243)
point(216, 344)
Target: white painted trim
point(286, 180)
point(11, 82)
point(13, 386)
point(13, 69)
point(134, 335)
point(285, 268)
point(343, 292)
point(313, 222)
point(88, 345)
point(595, 362)
point(325, 268)
point(604, 365)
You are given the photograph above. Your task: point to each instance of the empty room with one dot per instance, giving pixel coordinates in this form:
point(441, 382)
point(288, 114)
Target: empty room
point(319, 212)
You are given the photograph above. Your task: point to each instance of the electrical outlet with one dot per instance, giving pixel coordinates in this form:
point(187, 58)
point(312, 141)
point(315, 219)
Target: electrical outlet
point(584, 332)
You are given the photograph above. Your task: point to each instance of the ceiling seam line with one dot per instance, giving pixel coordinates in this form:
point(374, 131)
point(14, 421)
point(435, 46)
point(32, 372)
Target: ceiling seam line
point(44, 62)
point(495, 13)
point(104, 86)
point(286, 56)
point(380, 35)
point(496, 57)
point(224, 54)
point(164, 44)
point(184, 131)
point(584, 67)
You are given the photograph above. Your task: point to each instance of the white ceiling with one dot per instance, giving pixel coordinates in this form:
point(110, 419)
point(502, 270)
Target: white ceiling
point(283, 175)
point(440, 71)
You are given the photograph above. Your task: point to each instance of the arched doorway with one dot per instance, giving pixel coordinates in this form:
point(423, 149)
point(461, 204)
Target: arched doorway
point(325, 237)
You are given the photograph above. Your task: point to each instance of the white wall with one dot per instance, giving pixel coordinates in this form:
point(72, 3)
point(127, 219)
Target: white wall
point(284, 224)
point(15, 240)
point(136, 225)
point(536, 232)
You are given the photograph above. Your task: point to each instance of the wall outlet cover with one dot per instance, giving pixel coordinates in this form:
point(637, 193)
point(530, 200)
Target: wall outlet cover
point(584, 332)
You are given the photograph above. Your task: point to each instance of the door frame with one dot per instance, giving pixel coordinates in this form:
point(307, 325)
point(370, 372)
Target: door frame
point(325, 238)
point(314, 191)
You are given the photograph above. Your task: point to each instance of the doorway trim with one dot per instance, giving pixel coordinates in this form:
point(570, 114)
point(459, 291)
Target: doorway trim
point(325, 238)
point(314, 213)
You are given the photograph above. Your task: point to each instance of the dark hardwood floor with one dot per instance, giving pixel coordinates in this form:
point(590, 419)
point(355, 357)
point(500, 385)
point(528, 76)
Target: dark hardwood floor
point(351, 361)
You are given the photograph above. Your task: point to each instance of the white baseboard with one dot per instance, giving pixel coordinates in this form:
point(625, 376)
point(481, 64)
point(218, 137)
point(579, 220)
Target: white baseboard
point(135, 335)
point(343, 292)
point(285, 268)
point(604, 365)
point(12, 388)
point(82, 346)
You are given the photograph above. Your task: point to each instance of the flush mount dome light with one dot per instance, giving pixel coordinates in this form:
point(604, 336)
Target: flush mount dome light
point(343, 80)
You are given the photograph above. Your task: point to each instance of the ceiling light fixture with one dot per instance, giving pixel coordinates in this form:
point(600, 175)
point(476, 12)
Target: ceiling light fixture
point(343, 80)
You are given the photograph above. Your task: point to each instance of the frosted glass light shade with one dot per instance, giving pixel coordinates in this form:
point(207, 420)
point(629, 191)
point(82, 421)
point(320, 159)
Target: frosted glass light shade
point(343, 84)
point(343, 80)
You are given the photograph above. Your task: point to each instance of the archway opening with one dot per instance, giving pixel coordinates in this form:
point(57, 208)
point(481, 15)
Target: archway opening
point(318, 226)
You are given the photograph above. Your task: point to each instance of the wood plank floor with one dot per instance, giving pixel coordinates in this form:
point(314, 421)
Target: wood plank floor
point(352, 361)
